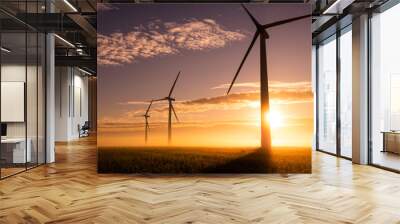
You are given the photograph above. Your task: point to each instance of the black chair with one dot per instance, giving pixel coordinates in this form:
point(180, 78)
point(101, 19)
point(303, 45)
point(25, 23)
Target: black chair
point(84, 130)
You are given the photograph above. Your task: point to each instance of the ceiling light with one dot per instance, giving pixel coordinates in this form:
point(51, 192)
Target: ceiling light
point(70, 5)
point(79, 51)
point(338, 6)
point(84, 71)
point(64, 40)
point(5, 50)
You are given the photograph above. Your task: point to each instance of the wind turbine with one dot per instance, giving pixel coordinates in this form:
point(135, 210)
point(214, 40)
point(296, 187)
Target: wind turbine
point(261, 31)
point(146, 117)
point(171, 108)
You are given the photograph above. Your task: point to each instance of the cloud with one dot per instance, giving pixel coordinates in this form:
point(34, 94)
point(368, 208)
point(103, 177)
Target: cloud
point(142, 102)
point(105, 7)
point(291, 92)
point(272, 85)
point(247, 99)
point(158, 38)
point(160, 124)
point(243, 84)
point(282, 93)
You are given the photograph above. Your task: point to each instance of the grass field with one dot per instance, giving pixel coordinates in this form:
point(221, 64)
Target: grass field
point(170, 160)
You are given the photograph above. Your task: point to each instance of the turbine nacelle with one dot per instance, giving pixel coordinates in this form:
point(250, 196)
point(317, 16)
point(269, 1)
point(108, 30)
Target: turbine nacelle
point(171, 108)
point(261, 31)
point(170, 99)
point(166, 99)
point(146, 116)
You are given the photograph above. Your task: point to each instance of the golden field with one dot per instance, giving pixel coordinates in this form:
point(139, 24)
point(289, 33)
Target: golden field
point(171, 160)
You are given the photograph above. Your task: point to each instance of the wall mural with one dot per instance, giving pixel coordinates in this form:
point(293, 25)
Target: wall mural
point(204, 88)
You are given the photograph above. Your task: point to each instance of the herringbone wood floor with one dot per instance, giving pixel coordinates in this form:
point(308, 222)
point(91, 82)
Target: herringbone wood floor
point(70, 191)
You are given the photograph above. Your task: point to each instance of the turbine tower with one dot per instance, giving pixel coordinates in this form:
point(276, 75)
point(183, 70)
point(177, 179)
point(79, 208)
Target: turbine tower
point(146, 117)
point(171, 108)
point(262, 33)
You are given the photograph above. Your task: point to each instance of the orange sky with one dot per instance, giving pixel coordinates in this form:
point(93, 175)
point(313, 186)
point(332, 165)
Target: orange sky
point(232, 120)
point(139, 57)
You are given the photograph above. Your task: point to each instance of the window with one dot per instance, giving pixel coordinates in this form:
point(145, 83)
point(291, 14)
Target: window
point(346, 92)
point(327, 95)
point(335, 74)
point(385, 88)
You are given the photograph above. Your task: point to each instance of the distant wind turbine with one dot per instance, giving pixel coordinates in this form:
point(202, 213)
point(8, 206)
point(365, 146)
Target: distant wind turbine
point(146, 117)
point(261, 31)
point(171, 108)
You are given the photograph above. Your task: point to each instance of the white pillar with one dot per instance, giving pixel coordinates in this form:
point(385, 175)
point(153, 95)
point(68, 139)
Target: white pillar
point(314, 90)
point(63, 101)
point(50, 98)
point(360, 90)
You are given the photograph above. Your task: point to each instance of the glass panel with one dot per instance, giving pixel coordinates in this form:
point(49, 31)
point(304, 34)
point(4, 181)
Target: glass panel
point(327, 95)
point(23, 90)
point(31, 88)
point(41, 98)
point(385, 89)
point(13, 90)
point(31, 99)
point(346, 94)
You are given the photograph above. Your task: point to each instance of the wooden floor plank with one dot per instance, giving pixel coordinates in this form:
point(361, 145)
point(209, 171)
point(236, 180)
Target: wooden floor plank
point(71, 191)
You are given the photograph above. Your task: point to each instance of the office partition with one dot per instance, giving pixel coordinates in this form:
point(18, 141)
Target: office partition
point(22, 78)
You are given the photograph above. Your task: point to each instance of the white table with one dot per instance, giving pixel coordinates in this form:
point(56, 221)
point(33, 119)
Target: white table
point(19, 153)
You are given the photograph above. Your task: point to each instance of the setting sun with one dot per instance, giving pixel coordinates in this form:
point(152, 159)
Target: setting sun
point(275, 119)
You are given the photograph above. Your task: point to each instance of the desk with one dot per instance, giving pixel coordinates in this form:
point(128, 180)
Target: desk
point(15, 148)
point(391, 141)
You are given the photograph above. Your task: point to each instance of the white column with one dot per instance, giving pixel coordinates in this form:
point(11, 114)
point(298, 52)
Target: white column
point(314, 90)
point(360, 90)
point(50, 98)
point(63, 100)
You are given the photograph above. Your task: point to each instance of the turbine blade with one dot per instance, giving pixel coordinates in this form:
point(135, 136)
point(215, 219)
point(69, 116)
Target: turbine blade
point(243, 60)
point(147, 127)
point(173, 86)
point(148, 108)
point(256, 23)
point(285, 21)
point(162, 99)
point(173, 110)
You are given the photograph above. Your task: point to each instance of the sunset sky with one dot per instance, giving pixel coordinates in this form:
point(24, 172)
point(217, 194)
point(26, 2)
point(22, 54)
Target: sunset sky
point(142, 47)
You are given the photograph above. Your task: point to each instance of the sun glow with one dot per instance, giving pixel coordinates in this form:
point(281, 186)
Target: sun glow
point(254, 104)
point(275, 119)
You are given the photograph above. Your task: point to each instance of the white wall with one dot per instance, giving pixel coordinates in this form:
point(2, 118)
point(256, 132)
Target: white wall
point(16, 73)
point(62, 81)
point(71, 102)
point(33, 126)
